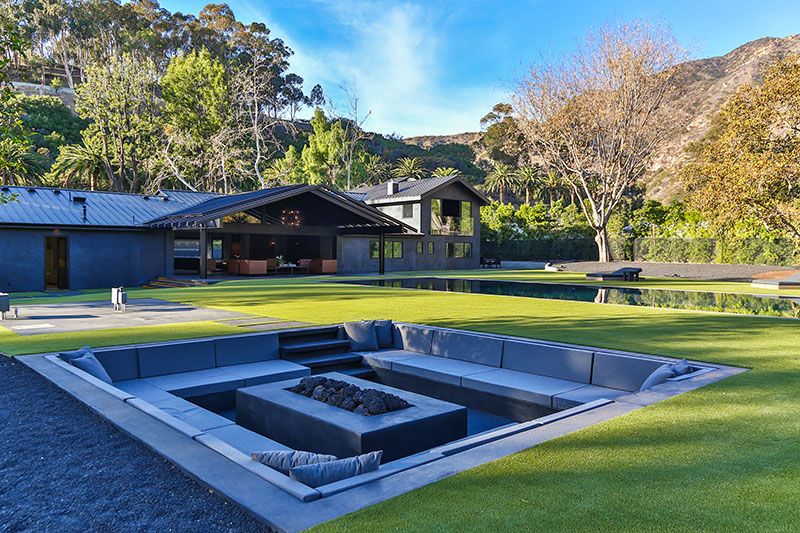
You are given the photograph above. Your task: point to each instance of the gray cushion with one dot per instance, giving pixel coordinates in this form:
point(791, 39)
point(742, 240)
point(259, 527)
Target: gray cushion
point(246, 441)
point(74, 354)
point(243, 349)
point(191, 414)
point(173, 357)
point(144, 390)
point(519, 385)
point(362, 335)
point(439, 368)
point(89, 364)
point(467, 347)
point(383, 329)
point(198, 382)
point(121, 364)
point(659, 376)
point(622, 372)
point(319, 474)
point(553, 361)
point(267, 371)
point(585, 394)
point(414, 338)
point(284, 461)
point(385, 358)
point(681, 368)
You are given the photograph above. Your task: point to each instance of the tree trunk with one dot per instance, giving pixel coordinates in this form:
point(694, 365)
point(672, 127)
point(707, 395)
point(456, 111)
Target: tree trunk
point(528, 195)
point(502, 194)
point(603, 249)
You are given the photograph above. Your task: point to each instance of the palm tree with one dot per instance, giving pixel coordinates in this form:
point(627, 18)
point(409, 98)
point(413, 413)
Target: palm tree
point(377, 169)
point(409, 167)
point(528, 179)
point(552, 183)
point(78, 164)
point(501, 180)
point(18, 165)
point(445, 172)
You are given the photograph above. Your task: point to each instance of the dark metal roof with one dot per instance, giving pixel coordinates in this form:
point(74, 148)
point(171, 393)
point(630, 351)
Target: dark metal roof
point(45, 206)
point(318, 201)
point(409, 190)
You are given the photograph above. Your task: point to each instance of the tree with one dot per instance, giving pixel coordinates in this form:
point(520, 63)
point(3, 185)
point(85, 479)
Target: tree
point(443, 172)
point(121, 99)
point(320, 157)
point(79, 166)
point(501, 139)
point(528, 178)
point(502, 179)
point(749, 163)
point(352, 129)
point(409, 168)
point(376, 168)
point(596, 116)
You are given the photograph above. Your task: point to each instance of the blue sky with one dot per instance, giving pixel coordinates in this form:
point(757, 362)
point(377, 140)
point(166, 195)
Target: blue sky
point(436, 67)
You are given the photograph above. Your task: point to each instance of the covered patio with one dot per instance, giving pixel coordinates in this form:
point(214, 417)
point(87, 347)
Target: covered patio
point(289, 229)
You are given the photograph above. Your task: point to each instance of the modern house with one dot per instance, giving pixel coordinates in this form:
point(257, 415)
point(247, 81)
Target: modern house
point(73, 239)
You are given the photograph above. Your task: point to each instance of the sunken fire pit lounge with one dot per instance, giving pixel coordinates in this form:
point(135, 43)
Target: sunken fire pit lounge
point(307, 424)
point(208, 404)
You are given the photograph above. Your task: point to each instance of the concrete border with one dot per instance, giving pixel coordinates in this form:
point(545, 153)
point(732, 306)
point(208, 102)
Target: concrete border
point(286, 509)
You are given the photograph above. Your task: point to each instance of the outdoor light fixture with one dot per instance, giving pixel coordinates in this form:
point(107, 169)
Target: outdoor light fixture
point(291, 217)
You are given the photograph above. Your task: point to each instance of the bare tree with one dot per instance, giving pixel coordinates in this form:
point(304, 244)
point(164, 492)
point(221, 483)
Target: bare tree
point(597, 115)
point(352, 122)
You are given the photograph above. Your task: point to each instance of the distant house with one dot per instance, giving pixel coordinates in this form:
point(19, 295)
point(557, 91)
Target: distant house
point(54, 238)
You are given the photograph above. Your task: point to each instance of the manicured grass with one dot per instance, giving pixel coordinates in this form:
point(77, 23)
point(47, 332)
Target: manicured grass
point(726, 456)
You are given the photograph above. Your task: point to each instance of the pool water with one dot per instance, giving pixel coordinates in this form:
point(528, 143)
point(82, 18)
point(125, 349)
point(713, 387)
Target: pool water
point(782, 306)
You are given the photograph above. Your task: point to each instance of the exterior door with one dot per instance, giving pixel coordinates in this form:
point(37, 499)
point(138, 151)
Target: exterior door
point(56, 271)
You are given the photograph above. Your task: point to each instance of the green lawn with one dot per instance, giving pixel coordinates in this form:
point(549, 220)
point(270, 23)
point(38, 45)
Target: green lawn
point(724, 457)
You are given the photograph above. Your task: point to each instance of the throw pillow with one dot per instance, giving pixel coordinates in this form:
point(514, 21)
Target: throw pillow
point(89, 364)
point(324, 473)
point(659, 375)
point(383, 330)
point(362, 335)
point(74, 354)
point(681, 367)
point(283, 461)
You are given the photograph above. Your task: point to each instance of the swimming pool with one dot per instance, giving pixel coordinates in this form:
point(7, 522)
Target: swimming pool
point(783, 306)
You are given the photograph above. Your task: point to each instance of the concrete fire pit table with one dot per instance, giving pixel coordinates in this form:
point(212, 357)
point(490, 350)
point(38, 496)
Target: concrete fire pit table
point(307, 424)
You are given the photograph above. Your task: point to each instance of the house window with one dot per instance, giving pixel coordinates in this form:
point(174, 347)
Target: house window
point(408, 211)
point(392, 249)
point(430, 247)
point(458, 249)
point(419, 248)
point(451, 217)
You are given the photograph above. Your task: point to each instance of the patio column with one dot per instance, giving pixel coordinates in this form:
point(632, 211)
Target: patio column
point(382, 254)
point(203, 253)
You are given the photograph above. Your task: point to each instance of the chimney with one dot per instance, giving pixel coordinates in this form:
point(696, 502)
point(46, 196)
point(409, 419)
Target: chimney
point(392, 187)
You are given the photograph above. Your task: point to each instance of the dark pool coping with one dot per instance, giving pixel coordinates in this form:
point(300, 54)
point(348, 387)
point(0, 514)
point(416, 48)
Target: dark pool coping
point(284, 512)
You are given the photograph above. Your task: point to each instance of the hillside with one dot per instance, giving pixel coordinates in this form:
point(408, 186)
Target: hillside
point(705, 84)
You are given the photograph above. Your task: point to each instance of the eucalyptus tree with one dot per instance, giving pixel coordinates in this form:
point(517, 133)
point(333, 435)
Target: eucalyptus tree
point(597, 115)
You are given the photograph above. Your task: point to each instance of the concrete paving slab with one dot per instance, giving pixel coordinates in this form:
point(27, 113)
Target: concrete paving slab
point(84, 316)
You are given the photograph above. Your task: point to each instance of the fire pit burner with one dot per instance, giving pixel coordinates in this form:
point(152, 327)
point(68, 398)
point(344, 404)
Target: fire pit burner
point(366, 402)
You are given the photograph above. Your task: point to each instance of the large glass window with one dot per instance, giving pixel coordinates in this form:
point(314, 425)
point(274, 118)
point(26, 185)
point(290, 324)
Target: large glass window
point(187, 248)
point(451, 217)
point(392, 249)
point(458, 249)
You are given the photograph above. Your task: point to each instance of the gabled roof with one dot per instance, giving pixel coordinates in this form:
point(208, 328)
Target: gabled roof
point(48, 206)
point(411, 190)
point(360, 215)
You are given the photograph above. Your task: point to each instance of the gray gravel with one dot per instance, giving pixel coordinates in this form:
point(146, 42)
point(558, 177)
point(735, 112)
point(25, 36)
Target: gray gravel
point(62, 468)
point(679, 270)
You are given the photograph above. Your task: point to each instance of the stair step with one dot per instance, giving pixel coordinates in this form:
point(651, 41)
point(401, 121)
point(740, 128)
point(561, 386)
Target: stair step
point(315, 361)
point(314, 346)
point(310, 333)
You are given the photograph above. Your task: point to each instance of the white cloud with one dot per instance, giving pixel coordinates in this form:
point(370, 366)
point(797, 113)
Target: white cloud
point(394, 53)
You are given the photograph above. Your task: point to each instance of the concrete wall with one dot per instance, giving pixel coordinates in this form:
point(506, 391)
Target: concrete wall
point(96, 259)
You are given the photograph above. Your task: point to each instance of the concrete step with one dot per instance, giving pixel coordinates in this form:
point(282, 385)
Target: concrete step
point(311, 346)
point(327, 360)
point(362, 372)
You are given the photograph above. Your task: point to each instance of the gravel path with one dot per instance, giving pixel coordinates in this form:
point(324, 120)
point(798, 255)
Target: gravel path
point(680, 270)
point(62, 468)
